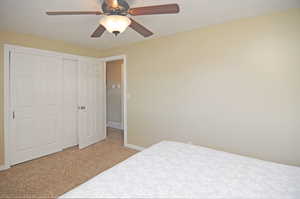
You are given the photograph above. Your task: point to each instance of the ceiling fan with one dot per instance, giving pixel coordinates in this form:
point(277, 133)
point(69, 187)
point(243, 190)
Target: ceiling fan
point(116, 18)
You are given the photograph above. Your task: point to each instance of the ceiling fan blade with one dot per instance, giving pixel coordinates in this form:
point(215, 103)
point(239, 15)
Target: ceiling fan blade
point(140, 29)
point(99, 31)
point(75, 13)
point(152, 10)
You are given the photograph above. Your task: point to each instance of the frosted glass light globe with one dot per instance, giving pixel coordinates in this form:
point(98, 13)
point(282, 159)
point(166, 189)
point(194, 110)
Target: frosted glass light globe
point(115, 24)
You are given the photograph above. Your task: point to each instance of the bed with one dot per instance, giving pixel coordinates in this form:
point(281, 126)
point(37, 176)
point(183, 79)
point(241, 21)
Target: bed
point(177, 170)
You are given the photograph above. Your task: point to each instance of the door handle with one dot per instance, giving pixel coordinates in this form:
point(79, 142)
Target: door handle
point(81, 107)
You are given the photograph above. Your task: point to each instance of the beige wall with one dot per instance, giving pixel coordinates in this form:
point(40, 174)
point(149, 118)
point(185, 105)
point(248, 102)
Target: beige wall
point(233, 87)
point(113, 96)
point(33, 42)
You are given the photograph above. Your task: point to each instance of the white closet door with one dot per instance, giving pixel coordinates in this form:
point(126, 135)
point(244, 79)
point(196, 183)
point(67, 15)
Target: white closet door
point(70, 103)
point(91, 101)
point(36, 102)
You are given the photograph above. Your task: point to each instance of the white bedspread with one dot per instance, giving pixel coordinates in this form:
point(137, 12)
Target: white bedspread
point(177, 170)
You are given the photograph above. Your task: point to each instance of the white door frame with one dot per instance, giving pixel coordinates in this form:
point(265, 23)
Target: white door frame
point(124, 91)
point(7, 109)
point(7, 90)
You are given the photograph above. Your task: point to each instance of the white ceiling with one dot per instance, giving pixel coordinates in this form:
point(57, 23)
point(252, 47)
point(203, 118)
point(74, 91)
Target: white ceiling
point(28, 16)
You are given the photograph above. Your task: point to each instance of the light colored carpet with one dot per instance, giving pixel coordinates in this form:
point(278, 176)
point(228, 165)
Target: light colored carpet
point(53, 175)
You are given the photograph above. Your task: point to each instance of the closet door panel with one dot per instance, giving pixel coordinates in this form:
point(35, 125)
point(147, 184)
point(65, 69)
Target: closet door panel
point(91, 113)
point(36, 102)
point(70, 103)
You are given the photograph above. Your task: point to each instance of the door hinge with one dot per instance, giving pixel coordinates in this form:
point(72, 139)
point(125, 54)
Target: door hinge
point(14, 115)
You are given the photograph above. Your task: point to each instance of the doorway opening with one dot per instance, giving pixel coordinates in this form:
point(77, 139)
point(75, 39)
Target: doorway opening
point(115, 99)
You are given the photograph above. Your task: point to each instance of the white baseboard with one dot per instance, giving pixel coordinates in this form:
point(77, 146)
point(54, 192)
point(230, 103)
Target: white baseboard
point(115, 125)
point(135, 147)
point(4, 167)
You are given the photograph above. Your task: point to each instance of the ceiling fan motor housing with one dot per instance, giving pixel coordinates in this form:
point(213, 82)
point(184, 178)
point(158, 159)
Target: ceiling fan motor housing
point(122, 9)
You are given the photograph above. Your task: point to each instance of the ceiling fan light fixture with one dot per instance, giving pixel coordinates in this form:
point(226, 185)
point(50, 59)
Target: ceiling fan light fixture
point(115, 24)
